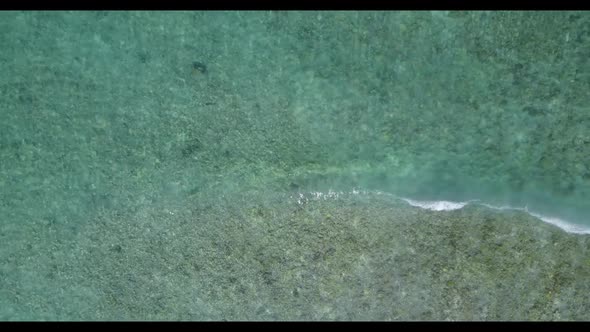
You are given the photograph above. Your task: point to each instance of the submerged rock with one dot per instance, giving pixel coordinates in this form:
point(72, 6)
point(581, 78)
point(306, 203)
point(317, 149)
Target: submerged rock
point(337, 256)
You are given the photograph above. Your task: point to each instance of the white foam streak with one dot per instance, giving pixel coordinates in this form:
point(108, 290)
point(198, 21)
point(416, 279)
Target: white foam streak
point(450, 206)
point(566, 226)
point(563, 224)
point(436, 205)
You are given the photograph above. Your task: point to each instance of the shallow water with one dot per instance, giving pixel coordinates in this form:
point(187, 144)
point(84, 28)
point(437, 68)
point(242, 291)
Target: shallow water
point(117, 123)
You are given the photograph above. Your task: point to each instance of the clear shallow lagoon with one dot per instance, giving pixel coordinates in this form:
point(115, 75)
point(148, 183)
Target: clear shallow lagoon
point(138, 147)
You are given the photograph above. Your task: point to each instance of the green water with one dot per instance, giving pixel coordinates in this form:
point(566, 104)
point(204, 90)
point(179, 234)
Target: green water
point(119, 129)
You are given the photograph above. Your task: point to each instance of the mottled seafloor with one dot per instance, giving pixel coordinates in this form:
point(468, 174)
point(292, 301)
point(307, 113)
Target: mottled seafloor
point(243, 165)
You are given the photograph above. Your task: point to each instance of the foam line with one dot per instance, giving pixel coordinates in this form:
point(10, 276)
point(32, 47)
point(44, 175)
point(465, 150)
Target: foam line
point(436, 205)
point(565, 225)
point(449, 206)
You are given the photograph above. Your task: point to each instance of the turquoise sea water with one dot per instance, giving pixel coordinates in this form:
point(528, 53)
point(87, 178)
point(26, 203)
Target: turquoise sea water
point(119, 113)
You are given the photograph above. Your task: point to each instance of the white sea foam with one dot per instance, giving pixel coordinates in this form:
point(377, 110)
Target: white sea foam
point(450, 205)
point(566, 226)
point(561, 223)
point(436, 205)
